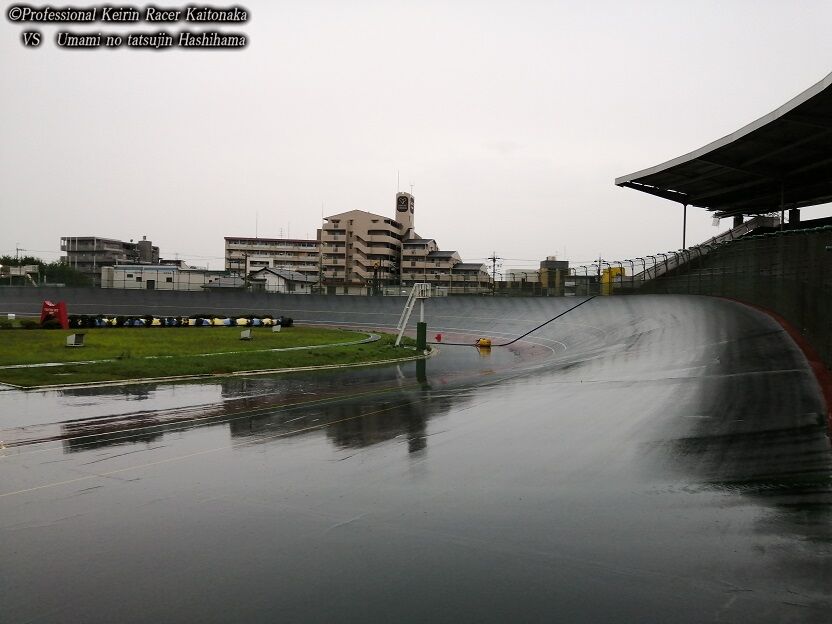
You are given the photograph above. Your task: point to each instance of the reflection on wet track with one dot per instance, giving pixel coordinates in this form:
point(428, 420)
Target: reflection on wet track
point(641, 459)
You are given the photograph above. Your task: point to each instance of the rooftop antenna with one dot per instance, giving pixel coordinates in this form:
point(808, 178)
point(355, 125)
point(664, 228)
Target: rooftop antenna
point(398, 185)
point(256, 222)
point(411, 188)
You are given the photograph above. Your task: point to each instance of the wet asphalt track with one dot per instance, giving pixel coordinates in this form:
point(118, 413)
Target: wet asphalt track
point(643, 459)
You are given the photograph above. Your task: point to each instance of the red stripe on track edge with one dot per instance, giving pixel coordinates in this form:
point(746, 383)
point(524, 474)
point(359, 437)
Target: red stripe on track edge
point(822, 374)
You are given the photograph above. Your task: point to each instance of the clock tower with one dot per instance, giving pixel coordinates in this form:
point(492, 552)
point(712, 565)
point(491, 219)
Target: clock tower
point(404, 213)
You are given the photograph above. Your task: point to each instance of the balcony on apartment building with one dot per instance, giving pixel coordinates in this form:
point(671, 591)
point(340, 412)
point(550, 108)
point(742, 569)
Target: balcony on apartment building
point(270, 248)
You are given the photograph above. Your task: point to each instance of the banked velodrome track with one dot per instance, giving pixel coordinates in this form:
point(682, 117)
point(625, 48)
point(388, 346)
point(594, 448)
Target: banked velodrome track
point(642, 459)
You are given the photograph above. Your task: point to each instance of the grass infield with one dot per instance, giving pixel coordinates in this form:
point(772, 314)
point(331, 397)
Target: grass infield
point(138, 353)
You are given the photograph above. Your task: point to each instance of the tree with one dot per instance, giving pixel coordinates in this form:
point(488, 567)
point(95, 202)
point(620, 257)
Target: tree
point(62, 273)
point(52, 272)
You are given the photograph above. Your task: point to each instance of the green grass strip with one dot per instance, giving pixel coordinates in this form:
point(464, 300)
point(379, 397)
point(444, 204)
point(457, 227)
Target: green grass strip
point(171, 352)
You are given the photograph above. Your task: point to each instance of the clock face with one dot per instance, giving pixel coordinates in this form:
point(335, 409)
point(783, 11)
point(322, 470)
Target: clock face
point(401, 203)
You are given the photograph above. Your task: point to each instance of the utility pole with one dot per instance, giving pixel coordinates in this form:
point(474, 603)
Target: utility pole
point(494, 259)
point(245, 270)
point(321, 289)
point(320, 236)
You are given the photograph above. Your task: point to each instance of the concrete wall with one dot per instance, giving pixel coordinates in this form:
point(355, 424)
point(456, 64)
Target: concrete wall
point(23, 300)
point(789, 273)
point(380, 311)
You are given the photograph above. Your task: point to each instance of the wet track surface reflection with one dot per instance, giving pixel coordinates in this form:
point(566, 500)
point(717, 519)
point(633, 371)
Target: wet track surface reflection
point(650, 459)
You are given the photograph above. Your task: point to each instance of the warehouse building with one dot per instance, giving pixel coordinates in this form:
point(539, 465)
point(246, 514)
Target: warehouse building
point(165, 277)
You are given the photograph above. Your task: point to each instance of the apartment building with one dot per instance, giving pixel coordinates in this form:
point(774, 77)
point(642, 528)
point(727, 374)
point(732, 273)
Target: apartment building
point(423, 261)
point(358, 250)
point(469, 277)
point(244, 255)
point(361, 250)
point(88, 254)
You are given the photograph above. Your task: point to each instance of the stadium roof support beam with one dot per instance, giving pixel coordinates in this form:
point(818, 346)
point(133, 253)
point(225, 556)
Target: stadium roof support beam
point(782, 159)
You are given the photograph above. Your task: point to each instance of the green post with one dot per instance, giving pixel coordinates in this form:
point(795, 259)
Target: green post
point(421, 336)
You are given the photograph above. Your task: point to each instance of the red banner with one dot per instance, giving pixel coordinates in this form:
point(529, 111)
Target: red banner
point(55, 311)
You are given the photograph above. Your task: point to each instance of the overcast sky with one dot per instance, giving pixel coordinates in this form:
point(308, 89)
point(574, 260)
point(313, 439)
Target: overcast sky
point(511, 120)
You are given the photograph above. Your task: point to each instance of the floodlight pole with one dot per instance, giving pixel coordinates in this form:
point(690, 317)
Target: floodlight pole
point(655, 262)
point(666, 268)
point(611, 288)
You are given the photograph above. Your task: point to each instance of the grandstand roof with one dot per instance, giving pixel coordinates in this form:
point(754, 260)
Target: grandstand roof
point(782, 160)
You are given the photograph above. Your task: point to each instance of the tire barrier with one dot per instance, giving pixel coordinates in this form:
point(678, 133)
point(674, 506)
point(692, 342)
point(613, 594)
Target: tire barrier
point(92, 321)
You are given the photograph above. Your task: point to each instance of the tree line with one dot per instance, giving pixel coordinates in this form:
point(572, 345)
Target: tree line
point(48, 272)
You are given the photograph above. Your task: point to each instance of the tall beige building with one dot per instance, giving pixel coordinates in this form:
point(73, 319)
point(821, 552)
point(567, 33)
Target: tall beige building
point(361, 250)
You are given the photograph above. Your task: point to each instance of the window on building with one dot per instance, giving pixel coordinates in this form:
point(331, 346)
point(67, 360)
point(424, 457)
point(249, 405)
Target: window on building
point(169, 280)
point(138, 278)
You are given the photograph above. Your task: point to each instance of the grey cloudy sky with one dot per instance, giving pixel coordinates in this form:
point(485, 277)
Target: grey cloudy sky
point(512, 119)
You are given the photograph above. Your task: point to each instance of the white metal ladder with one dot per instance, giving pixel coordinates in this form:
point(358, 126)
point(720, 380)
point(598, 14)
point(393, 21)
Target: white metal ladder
point(420, 291)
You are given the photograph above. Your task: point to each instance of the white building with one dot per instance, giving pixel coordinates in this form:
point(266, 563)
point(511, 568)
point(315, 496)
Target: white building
point(282, 281)
point(163, 277)
point(520, 275)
